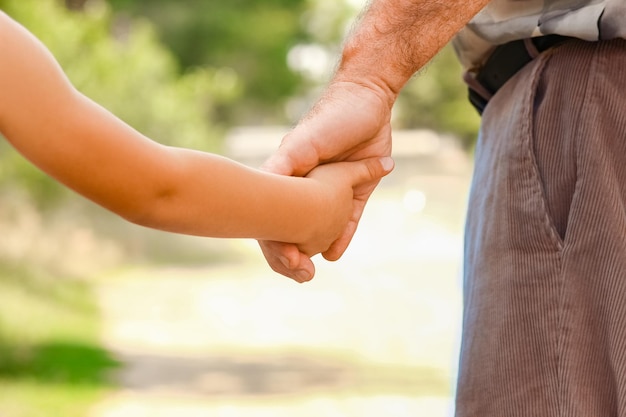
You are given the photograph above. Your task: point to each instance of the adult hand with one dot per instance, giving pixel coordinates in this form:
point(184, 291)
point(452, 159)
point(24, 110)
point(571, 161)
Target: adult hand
point(392, 40)
point(350, 122)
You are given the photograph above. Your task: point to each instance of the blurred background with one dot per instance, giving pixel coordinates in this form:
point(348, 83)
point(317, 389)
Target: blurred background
point(102, 318)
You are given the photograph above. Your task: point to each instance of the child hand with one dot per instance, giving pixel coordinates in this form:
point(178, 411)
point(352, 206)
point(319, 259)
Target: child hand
point(334, 195)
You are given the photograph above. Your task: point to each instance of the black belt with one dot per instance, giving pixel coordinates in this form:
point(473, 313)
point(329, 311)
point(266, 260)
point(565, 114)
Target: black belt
point(504, 62)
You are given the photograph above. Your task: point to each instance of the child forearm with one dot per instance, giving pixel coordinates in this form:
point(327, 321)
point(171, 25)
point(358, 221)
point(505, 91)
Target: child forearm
point(87, 148)
point(209, 195)
point(172, 189)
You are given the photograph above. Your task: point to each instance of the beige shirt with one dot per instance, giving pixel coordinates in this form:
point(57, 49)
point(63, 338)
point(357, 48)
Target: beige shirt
point(502, 21)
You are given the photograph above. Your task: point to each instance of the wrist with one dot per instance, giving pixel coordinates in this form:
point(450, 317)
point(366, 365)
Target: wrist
point(397, 38)
point(362, 64)
point(383, 50)
point(326, 213)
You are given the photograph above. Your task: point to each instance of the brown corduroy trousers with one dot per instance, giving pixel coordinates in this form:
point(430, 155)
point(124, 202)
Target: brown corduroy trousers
point(544, 329)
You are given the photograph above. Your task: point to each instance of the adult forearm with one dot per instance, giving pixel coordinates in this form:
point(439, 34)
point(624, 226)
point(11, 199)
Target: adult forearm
point(396, 38)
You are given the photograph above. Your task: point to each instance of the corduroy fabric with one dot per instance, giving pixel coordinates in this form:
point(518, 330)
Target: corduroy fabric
point(544, 329)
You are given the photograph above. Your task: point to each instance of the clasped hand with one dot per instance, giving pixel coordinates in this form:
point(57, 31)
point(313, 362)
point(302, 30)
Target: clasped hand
point(351, 122)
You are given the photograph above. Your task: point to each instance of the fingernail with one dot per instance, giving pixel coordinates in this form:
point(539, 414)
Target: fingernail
point(283, 260)
point(387, 163)
point(303, 276)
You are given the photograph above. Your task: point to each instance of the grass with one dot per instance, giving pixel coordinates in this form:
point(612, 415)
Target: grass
point(51, 363)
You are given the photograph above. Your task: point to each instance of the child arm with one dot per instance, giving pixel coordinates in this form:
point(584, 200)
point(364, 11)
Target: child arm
point(91, 151)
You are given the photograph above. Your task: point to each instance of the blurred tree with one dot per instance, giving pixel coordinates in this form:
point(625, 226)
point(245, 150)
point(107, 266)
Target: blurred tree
point(75, 4)
point(284, 50)
point(126, 69)
point(250, 37)
point(436, 98)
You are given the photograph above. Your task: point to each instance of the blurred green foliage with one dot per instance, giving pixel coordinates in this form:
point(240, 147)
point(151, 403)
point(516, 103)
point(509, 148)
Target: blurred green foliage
point(254, 37)
point(436, 98)
point(124, 67)
point(50, 360)
point(250, 37)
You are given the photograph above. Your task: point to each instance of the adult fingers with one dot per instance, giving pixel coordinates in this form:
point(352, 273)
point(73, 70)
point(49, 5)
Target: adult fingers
point(366, 174)
point(339, 246)
point(287, 260)
point(370, 169)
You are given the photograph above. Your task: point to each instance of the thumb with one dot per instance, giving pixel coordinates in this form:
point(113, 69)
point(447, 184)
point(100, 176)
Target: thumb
point(371, 169)
point(278, 163)
point(296, 155)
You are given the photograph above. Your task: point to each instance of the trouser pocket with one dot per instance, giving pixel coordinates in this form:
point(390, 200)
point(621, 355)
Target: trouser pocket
point(554, 133)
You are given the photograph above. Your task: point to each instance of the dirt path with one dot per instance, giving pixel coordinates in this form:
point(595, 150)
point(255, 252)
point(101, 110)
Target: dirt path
point(374, 334)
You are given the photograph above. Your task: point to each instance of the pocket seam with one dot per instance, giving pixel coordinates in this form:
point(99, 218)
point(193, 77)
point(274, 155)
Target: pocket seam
point(527, 138)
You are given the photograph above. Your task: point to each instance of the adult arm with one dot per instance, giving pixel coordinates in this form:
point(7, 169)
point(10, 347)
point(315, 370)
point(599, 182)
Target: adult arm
point(351, 121)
